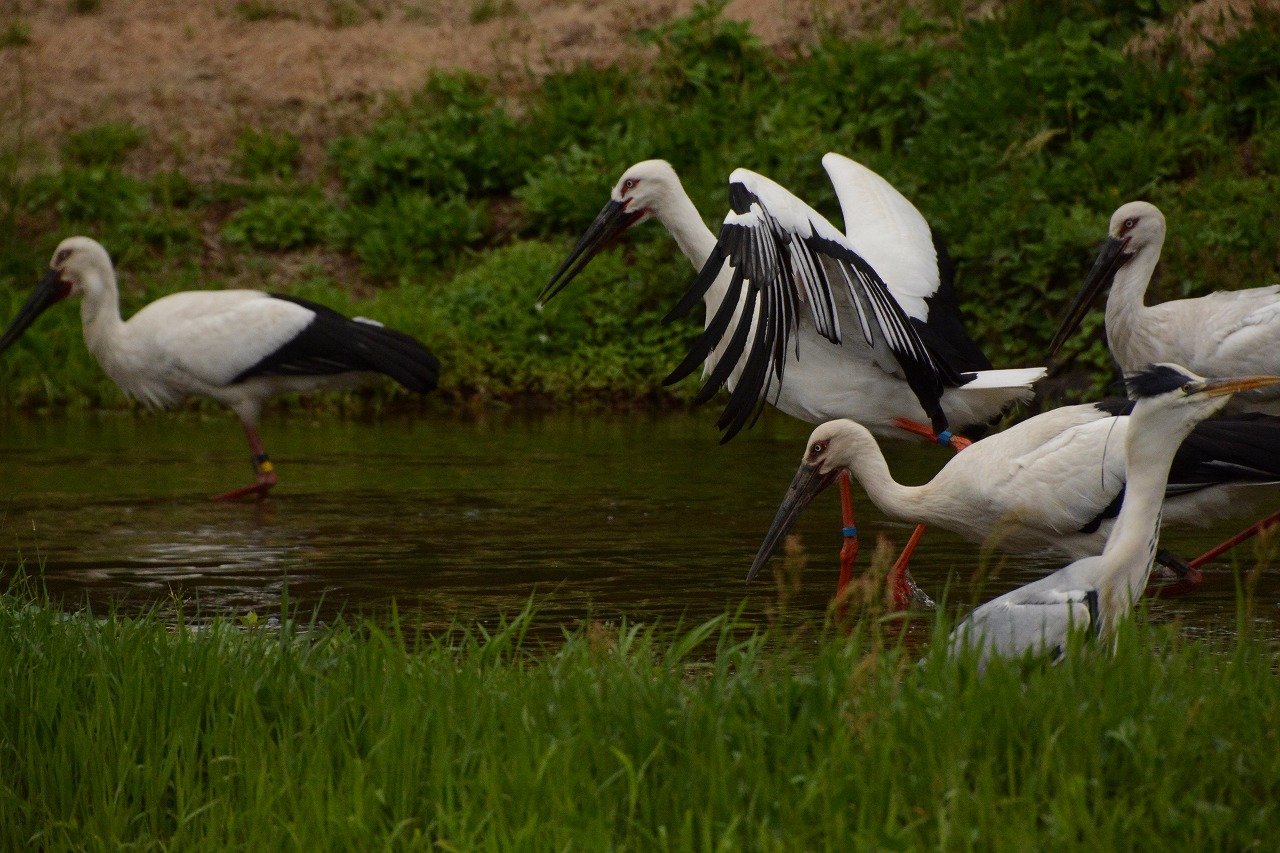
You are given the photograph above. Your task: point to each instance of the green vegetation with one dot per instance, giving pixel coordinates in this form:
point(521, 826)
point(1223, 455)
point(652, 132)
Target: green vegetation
point(1016, 134)
point(129, 732)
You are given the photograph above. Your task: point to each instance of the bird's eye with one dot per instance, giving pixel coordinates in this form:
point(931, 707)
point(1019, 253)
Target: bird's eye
point(629, 184)
point(1188, 388)
point(1130, 224)
point(817, 448)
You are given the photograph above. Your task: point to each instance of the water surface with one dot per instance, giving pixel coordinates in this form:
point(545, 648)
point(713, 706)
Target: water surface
point(642, 517)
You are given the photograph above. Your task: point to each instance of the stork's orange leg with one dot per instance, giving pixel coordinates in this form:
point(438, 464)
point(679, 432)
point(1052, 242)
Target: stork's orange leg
point(264, 471)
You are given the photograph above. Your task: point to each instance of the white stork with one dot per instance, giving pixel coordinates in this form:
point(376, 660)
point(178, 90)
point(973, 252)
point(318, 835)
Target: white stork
point(1093, 594)
point(239, 347)
point(865, 326)
point(1227, 333)
point(1054, 481)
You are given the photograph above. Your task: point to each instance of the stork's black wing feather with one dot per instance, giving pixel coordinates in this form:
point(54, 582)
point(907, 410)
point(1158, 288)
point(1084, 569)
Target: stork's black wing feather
point(944, 332)
point(1225, 449)
point(777, 265)
point(332, 343)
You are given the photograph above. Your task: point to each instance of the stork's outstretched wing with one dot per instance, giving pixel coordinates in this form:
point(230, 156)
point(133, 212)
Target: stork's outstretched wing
point(893, 236)
point(778, 253)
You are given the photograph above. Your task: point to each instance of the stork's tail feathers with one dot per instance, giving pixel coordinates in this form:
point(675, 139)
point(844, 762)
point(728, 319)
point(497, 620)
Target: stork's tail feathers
point(402, 357)
point(1017, 377)
point(333, 343)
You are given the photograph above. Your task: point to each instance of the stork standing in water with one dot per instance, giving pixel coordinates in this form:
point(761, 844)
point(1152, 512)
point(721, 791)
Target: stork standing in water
point(1093, 594)
point(1055, 481)
point(1227, 333)
point(239, 347)
point(880, 340)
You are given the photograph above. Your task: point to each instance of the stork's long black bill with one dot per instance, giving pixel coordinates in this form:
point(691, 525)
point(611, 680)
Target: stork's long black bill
point(807, 484)
point(50, 289)
point(608, 226)
point(1110, 259)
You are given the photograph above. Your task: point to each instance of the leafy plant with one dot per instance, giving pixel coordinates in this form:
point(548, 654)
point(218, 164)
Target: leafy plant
point(407, 233)
point(279, 222)
point(261, 154)
point(102, 145)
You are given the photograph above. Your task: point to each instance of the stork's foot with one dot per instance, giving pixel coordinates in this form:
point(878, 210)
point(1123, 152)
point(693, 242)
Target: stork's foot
point(908, 595)
point(1188, 577)
point(258, 490)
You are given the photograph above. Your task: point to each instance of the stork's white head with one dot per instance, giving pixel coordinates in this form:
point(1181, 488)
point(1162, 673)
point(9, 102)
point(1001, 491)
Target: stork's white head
point(835, 445)
point(646, 188)
point(80, 267)
point(1135, 227)
point(832, 447)
point(1171, 400)
point(641, 193)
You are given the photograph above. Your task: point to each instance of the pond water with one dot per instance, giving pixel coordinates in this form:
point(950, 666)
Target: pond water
point(635, 516)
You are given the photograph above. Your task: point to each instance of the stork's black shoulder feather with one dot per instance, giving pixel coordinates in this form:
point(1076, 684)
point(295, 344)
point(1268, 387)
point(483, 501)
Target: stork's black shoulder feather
point(1115, 406)
point(1157, 379)
point(943, 332)
point(1236, 449)
point(332, 343)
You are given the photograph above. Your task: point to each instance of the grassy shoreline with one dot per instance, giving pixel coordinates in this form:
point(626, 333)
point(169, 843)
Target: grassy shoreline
point(129, 731)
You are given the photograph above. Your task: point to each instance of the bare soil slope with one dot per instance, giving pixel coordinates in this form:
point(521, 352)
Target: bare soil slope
point(195, 74)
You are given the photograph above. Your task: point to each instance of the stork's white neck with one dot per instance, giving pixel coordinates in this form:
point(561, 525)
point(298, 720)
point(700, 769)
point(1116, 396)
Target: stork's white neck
point(1125, 303)
point(1150, 445)
point(867, 464)
point(682, 219)
point(100, 312)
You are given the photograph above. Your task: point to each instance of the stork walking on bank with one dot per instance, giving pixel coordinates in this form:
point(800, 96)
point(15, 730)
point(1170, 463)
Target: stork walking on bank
point(822, 325)
point(1093, 594)
point(239, 347)
point(1055, 481)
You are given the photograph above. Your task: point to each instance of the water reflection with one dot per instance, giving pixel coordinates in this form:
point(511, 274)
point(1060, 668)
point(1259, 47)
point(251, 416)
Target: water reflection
point(637, 516)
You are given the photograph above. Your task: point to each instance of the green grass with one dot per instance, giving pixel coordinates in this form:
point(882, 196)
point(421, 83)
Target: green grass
point(1017, 134)
point(118, 731)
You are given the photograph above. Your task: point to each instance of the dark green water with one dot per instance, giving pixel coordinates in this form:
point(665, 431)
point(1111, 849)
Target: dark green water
point(603, 516)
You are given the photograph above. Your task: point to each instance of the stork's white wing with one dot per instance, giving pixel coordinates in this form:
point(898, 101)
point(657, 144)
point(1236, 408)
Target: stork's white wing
point(214, 336)
point(1028, 620)
point(885, 228)
point(1065, 484)
point(783, 253)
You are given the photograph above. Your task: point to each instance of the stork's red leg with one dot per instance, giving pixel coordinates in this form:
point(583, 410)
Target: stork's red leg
point(849, 550)
point(263, 470)
point(1248, 533)
point(900, 581)
point(1194, 576)
point(946, 438)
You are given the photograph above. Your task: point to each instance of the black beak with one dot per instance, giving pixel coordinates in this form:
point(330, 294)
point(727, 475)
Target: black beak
point(50, 289)
point(805, 486)
point(1110, 259)
point(608, 226)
